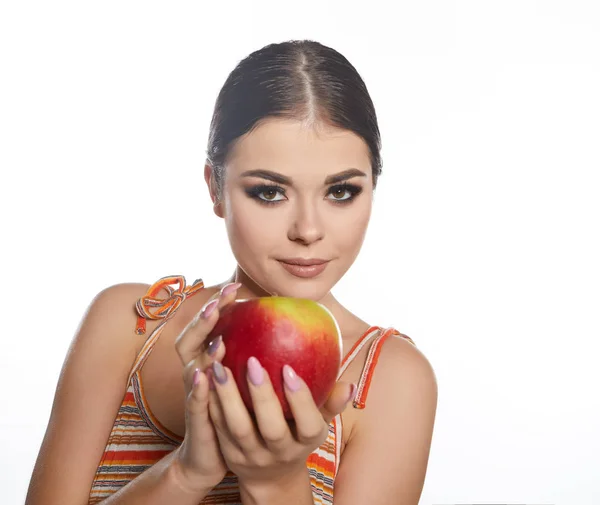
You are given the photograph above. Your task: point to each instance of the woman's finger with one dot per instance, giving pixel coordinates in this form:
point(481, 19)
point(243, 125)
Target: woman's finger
point(197, 417)
point(191, 341)
point(197, 401)
point(215, 352)
point(200, 450)
point(340, 397)
point(310, 426)
point(272, 425)
point(229, 412)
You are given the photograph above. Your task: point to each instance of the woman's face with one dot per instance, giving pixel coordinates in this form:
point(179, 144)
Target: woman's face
point(280, 201)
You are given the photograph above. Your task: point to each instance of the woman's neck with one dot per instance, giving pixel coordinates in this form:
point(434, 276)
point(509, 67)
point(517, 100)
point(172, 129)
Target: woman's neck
point(250, 289)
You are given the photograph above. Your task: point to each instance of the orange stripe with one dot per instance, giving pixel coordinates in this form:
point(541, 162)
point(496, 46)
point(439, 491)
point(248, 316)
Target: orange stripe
point(358, 342)
point(150, 307)
point(372, 359)
point(125, 457)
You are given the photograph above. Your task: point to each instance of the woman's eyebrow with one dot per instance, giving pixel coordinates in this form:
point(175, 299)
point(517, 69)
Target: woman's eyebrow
point(346, 174)
point(282, 179)
point(267, 174)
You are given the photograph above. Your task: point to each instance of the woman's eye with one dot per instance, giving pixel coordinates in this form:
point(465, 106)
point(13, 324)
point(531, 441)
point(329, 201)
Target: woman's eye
point(344, 193)
point(338, 193)
point(266, 194)
point(269, 195)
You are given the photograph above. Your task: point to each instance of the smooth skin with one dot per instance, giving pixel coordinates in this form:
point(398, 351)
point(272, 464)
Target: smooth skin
point(386, 446)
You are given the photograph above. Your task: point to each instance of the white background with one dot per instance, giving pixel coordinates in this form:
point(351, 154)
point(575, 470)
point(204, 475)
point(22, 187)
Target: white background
point(484, 243)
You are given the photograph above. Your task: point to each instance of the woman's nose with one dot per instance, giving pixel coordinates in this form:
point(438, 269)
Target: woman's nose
point(306, 226)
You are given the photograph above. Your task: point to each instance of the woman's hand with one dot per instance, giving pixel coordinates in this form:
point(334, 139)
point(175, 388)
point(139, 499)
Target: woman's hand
point(269, 448)
point(199, 462)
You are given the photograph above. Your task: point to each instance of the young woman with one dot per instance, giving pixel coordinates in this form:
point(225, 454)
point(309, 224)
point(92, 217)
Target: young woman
point(292, 163)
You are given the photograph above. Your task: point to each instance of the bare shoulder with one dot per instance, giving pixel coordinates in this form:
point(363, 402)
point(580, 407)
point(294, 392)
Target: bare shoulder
point(404, 365)
point(119, 296)
point(386, 458)
point(403, 376)
point(110, 319)
point(90, 389)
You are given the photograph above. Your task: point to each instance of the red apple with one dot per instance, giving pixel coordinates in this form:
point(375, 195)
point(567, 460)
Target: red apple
point(278, 331)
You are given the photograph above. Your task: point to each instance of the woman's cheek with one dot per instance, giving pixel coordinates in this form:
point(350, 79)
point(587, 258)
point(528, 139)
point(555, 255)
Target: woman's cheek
point(247, 231)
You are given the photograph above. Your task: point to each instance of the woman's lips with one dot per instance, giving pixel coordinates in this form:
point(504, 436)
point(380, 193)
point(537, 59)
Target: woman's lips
point(304, 271)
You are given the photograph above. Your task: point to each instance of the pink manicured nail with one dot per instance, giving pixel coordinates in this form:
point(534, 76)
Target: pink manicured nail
point(292, 381)
point(209, 308)
point(209, 377)
point(196, 376)
point(352, 394)
point(255, 371)
point(230, 288)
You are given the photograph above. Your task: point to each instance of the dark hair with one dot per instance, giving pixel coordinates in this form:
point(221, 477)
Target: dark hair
point(298, 79)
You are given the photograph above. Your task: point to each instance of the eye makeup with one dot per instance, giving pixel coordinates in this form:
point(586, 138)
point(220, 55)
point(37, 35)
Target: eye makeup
point(258, 191)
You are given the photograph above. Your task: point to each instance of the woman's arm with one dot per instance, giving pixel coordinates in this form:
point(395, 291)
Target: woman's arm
point(90, 389)
point(162, 483)
point(385, 460)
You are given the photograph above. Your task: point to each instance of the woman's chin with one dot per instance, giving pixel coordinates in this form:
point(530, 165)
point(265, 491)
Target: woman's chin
point(276, 284)
point(314, 292)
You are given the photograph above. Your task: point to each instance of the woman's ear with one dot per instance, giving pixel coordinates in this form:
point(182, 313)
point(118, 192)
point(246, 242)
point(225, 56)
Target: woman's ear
point(209, 177)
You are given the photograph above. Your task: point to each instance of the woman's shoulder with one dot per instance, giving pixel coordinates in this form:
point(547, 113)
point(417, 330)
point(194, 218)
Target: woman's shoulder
point(398, 418)
point(117, 310)
point(402, 360)
point(89, 392)
point(112, 313)
point(119, 300)
point(404, 375)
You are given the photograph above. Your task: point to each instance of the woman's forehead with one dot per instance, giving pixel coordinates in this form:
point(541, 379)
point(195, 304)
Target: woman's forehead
point(285, 144)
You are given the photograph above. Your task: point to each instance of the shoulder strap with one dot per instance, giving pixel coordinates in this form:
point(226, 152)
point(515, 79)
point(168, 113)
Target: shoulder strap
point(358, 345)
point(367, 374)
point(150, 307)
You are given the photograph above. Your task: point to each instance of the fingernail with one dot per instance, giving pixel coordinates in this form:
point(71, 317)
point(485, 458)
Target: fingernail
point(196, 376)
point(219, 372)
point(255, 371)
point(291, 379)
point(214, 345)
point(209, 308)
point(352, 393)
point(230, 288)
point(209, 377)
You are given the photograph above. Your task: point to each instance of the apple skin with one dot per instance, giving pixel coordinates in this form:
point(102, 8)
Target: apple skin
point(277, 331)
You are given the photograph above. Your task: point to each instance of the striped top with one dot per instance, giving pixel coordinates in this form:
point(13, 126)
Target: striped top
point(138, 440)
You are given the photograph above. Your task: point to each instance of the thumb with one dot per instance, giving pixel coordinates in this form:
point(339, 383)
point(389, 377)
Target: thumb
point(340, 397)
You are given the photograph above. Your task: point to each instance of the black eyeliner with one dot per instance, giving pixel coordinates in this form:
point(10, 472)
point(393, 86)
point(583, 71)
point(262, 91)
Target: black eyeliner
point(255, 192)
point(353, 189)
